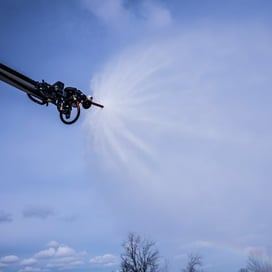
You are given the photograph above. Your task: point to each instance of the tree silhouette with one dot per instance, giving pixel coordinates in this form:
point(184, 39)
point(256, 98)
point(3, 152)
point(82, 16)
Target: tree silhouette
point(259, 261)
point(194, 262)
point(139, 255)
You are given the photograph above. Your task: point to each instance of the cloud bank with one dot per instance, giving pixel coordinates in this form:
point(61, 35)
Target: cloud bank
point(9, 259)
point(57, 256)
point(106, 260)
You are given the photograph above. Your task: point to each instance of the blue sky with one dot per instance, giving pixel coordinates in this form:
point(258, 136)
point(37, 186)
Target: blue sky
point(181, 152)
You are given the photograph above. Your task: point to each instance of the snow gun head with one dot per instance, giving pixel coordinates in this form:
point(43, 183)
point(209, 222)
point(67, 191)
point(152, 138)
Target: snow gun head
point(72, 99)
point(88, 102)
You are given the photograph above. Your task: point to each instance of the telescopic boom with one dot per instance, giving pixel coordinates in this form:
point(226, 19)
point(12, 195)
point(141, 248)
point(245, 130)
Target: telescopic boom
point(43, 93)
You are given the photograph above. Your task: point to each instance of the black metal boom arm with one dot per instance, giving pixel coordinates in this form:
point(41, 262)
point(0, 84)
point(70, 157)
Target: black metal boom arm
point(64, 98)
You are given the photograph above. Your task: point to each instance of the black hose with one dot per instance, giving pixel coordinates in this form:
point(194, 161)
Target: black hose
point(65, 120)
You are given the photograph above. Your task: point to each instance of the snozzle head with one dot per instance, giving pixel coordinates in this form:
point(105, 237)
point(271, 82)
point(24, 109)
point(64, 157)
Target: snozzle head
point(86, 104)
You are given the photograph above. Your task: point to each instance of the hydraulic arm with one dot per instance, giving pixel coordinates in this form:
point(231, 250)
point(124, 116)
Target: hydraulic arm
point(64, 98)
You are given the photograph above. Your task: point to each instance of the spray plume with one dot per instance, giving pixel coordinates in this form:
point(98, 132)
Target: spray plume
point(174, 128)
point(156, 96)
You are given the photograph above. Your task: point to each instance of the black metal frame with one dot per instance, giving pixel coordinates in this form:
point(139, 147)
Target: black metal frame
point(65, 99)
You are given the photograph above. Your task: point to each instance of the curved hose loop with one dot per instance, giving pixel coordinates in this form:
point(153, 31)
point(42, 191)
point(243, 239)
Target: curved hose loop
point(65, 120)
point(36, 100)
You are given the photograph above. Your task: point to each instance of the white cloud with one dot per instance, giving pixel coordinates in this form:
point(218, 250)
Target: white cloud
point(110, 12)
point(47, 253)
point(58, 251)
point(75, 260)
point(28, 262)
point(9, 259)
point(31, 269)
point(63, 251)
point(105, 260)
point(119, 15)
point(65, 264)
point(59, 256)
point(53, 244)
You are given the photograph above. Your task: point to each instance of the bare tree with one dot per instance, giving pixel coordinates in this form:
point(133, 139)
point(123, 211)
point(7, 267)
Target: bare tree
point(139, 255)
point(259, 261)
point(194, 262)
